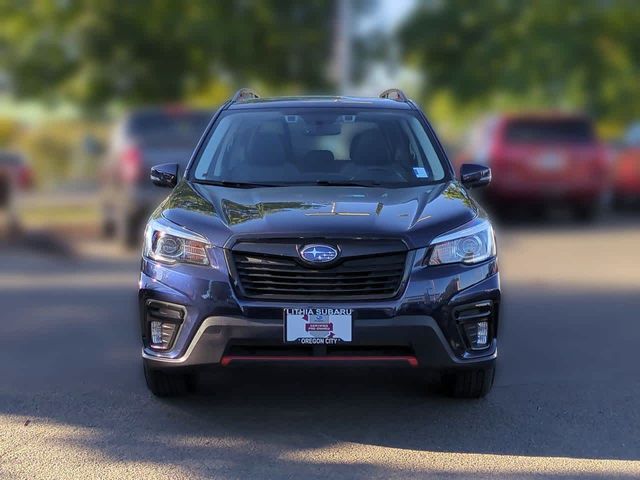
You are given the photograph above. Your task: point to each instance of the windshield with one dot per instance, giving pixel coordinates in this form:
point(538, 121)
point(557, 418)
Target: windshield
point(321, 146)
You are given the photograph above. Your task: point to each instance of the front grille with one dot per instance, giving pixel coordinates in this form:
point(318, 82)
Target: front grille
point(277, 277)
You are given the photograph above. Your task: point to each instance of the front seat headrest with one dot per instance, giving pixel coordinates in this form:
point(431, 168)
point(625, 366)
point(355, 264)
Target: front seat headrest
point(369, 148)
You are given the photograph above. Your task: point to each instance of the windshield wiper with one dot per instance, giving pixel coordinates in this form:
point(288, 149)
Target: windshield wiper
point(346, 183)
point(226, 183)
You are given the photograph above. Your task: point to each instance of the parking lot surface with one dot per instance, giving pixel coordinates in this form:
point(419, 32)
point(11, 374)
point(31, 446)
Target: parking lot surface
point(73, 403)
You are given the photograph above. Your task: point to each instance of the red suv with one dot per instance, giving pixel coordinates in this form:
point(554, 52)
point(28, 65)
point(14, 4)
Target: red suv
point(541, 159)
point(627, 171)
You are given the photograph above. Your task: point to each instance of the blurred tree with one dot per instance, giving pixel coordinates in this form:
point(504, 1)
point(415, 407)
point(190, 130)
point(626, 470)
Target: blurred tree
point(9, 130)
point(93, 51)
point(578, 53)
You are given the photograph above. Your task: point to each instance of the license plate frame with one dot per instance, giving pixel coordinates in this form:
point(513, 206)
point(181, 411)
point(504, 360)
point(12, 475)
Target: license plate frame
point(317, 325)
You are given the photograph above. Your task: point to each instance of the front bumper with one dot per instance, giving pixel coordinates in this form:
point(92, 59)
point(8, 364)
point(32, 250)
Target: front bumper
point(418, 328)
point(418, 336)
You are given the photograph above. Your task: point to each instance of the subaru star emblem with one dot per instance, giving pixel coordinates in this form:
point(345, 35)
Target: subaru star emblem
point(318, 253)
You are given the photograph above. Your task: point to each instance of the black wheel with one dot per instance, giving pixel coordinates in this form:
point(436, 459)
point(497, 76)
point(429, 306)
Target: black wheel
point(5, 192)
point(129, 231)
point(623, 203)
point(471, 383)
point(539, 212)
point(500, 211)
point(585, 212)
point(107, 228)
point(108, 223)
point(164, 384)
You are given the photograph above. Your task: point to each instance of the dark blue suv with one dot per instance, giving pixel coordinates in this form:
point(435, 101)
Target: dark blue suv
point(319, 230)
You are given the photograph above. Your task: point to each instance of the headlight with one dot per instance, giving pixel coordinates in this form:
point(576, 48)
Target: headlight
point(169, 243)
point(469, 245)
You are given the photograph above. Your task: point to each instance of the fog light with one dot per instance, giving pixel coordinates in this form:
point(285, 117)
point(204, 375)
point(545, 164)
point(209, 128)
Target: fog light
point(482, 337)
point(478, 334)
point(156, 332)
point(162, 334)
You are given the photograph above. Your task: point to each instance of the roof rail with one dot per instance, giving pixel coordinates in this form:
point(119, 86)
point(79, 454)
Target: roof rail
point(394, 94)
point(244, 94)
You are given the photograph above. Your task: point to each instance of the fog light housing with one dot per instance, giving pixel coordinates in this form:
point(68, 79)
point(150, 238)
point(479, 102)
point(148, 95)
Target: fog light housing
point(476, 324)
point(163, 320)
point(477, 334)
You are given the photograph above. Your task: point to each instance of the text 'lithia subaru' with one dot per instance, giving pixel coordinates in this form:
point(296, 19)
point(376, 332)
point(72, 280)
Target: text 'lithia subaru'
point(320, 230)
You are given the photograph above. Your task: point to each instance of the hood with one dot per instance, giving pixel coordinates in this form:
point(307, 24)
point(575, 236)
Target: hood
point(415, 214)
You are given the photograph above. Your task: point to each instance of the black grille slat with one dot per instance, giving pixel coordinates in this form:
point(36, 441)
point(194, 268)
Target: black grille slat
point(327, 293)
point(318, 276)
point(287, 268)
point(338, 284)
point(276, 277)
point(271, 263)
point(315, 290)
point(316, 283)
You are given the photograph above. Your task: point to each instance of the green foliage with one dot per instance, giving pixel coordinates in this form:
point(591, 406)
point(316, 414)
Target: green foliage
point(52, 148)
point(568, 53)
point(93, 51)
point(9, 130)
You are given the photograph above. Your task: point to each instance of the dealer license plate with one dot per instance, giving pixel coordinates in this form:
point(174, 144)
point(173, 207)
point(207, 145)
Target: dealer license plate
point(318, 326)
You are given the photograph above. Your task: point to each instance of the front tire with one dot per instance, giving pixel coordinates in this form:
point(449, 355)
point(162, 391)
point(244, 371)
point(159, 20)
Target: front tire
point(469, 383)
point(164, 384)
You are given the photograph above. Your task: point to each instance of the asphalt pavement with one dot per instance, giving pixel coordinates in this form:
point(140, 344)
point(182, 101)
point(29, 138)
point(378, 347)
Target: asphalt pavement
point(73, 403)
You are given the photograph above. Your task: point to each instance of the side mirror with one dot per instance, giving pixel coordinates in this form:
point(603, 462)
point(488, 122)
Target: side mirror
point(474, 176)
point(165, 175)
